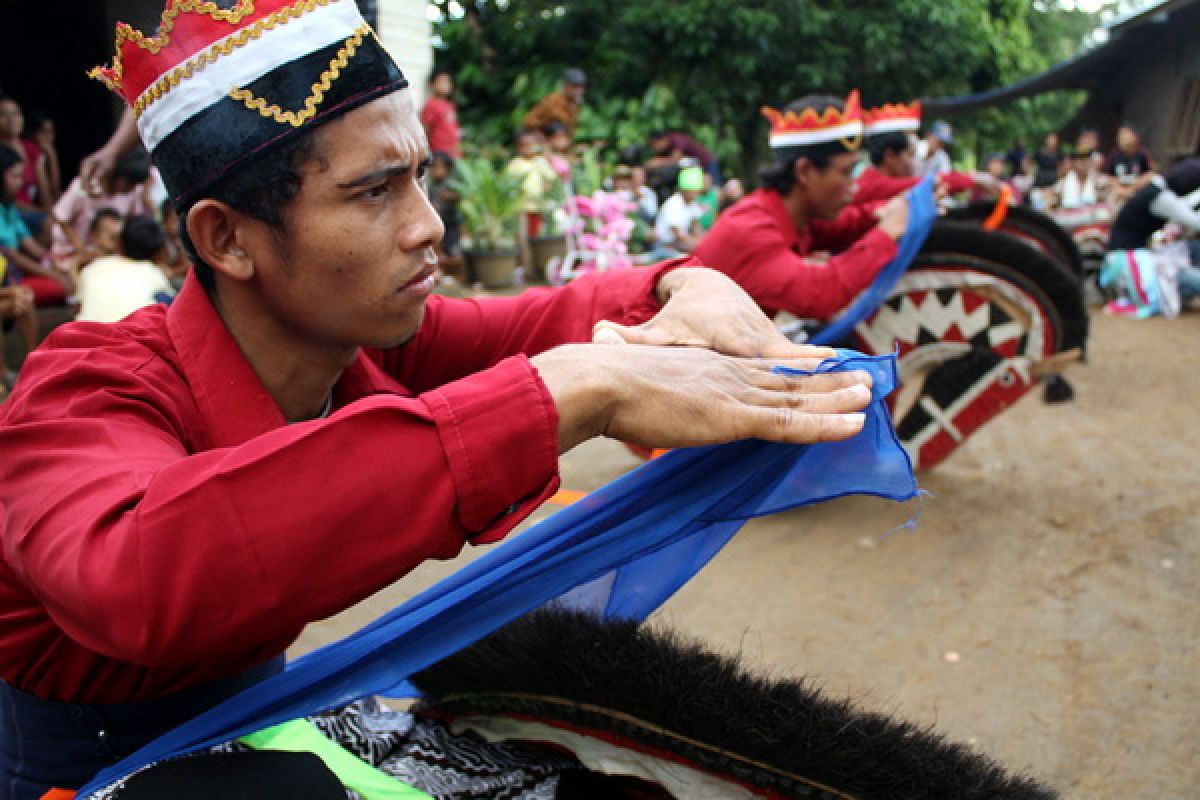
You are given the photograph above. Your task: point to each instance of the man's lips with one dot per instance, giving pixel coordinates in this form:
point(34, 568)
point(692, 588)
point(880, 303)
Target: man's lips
point(420, 277)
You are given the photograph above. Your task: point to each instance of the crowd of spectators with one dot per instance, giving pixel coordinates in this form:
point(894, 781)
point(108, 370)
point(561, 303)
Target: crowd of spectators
point(98, 252)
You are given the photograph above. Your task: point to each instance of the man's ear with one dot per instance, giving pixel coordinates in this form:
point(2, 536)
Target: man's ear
point(801, 169)
point(216, 232)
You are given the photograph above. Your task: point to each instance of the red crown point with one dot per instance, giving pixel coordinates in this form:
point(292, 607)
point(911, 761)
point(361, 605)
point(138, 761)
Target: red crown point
point(187, 28)
point(893, 117)
point(789, 128)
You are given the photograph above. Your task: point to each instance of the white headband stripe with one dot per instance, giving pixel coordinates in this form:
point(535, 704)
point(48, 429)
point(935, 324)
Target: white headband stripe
point(801, 138)
point(321, 27)
point(893, 126)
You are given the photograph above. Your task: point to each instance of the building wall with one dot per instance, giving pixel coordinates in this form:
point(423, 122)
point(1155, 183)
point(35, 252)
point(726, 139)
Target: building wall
point(407, 33)
point(1157, 91)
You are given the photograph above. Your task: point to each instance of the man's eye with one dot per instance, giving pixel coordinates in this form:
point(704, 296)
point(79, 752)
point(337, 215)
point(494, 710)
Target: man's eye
point(376, 191)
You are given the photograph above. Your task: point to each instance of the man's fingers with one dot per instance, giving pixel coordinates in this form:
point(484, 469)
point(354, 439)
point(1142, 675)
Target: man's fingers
point(800, 427)
point(838, 401)
point(767, 378)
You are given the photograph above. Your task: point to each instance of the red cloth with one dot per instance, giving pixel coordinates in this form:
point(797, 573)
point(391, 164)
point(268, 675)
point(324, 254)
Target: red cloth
point(755, 243)
point(32, 154)
point(873, 186)
point(46, 291)
point(441, 126)
point(162, 526)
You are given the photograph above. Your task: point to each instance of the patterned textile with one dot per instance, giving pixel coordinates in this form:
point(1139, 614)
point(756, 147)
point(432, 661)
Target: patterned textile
point(429, 756)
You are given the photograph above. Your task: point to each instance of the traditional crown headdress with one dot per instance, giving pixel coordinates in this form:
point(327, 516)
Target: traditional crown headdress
point(892, 118)
point(219, 84)
point(844, 126)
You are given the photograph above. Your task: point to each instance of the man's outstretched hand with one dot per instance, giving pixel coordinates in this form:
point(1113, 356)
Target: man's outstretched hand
point(703, 308)
point(701, 372)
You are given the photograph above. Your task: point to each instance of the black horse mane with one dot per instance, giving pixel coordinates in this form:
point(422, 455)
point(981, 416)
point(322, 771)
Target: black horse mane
point(582, 670)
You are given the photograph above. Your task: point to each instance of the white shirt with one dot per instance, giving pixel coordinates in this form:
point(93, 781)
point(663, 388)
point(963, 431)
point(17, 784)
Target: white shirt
point(675, 214)
point(113, 287)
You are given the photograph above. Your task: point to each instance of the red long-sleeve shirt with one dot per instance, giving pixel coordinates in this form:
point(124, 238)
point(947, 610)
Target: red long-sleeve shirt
point(756, 244)
point(873, 186)
point(162, 526)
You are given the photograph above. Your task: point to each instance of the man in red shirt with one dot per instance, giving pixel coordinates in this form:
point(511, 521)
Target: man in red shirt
point(439, 117)
point(890, 143)
point(765, 241)
point(183, 491)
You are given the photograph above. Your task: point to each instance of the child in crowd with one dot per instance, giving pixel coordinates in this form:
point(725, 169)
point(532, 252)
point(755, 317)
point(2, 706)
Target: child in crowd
point(125, 191)
point(103, 239)
point(113, 287)
point(23, 254)
point(16, 311)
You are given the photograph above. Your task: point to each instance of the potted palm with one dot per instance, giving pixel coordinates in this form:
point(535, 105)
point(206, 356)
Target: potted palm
point(490, 206)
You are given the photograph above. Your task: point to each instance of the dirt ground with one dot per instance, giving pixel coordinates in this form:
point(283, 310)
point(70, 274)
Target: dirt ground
point(1043, 609)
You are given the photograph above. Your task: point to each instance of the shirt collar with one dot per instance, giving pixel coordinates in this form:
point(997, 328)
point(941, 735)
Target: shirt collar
point(772, 203)
point(233, 403)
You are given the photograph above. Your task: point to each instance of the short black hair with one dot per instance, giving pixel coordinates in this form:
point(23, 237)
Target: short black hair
point(34, 120)
point(780, 176)
point(879, 145)
point(142, 238)
point(133, 166)
point(554, 126)
point(262, 188)
point(101, 215)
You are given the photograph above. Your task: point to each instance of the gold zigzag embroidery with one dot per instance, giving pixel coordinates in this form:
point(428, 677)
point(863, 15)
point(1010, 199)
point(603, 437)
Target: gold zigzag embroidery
point(155, 44)
point(161, 87)
point(298, 118)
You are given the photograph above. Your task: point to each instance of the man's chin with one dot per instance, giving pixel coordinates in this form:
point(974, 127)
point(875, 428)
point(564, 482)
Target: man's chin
point(402, 335)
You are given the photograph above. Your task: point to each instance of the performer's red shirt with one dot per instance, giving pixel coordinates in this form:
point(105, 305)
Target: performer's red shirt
point(162, 525)
point(873, 186)
point(755, 243)
point(441, 126)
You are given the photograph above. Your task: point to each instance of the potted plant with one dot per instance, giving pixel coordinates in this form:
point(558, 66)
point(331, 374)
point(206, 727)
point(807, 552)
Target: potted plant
point(490, 206)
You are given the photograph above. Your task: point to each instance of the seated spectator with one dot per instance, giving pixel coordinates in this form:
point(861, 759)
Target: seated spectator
point(25, 256)
point(103, 239)
point(1082, 184)
point(931, 154)
point(113, 287)
point(1087, 142)
point(16, 310)
point(35, 197)
point(124, 190)
point(1047, 162)
point(629, 182)
point(677, 228)
point(996, 170)
point(672, 147)
point(1131, 165)
point(731, 192)
point(1172, 198)
point(445, 201)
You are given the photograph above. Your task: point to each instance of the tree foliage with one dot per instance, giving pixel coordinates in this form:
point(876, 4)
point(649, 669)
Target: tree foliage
point(709, 65)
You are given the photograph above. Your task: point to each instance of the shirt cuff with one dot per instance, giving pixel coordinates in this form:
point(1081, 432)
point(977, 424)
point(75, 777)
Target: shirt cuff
point(499, 430)
point(643, 297)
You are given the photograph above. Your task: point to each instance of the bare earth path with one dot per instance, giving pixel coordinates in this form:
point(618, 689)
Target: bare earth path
point(1045, 607)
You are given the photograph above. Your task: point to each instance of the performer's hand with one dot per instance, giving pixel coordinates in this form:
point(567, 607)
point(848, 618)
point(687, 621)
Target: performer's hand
point(893, 217)
point(683, 397)
point(703, 308)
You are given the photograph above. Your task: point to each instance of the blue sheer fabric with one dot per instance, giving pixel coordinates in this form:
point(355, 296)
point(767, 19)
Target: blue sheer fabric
point(922, 213)
point(622, 550)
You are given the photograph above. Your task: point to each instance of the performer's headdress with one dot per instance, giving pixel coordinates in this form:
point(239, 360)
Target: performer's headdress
point(892, 118)
point(832, 130)
point(218, 86)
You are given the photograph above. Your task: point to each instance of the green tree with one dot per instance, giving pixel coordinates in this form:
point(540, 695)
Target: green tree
point(710, 65)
